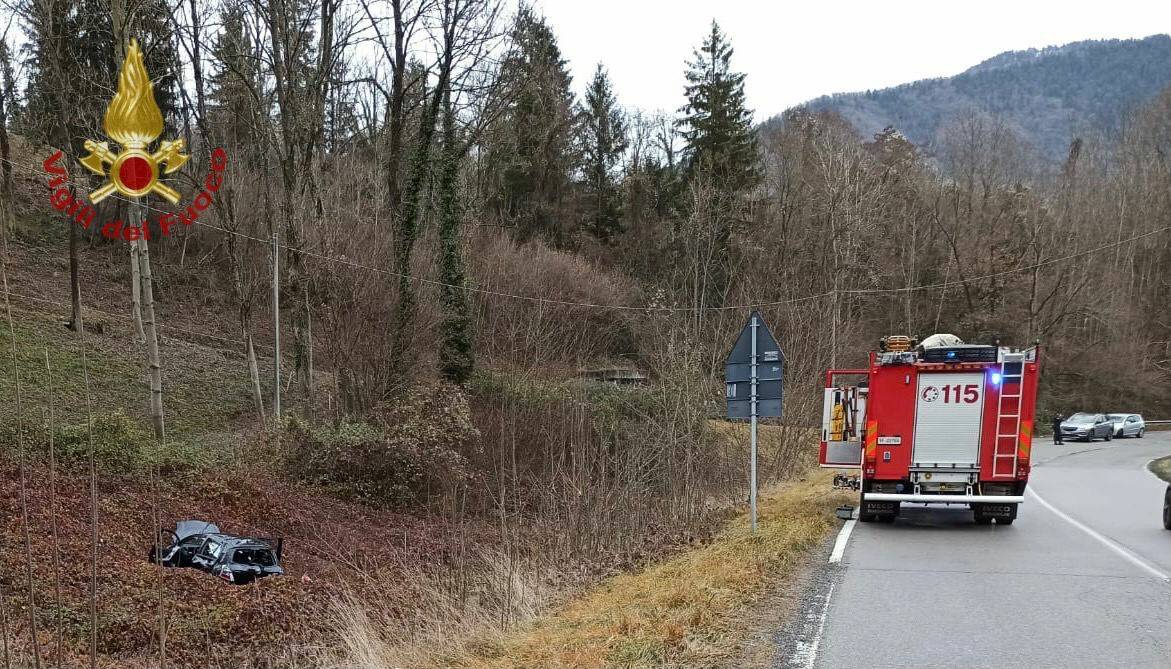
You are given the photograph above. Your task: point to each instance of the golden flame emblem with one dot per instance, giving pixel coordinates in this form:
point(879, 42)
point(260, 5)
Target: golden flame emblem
point(134, 121)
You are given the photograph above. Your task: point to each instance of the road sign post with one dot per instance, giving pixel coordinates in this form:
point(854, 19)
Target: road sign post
point(753, 373)
point(752, 430)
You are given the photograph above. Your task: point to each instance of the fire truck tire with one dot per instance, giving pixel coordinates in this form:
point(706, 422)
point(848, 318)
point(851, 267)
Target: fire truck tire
point(862, 515)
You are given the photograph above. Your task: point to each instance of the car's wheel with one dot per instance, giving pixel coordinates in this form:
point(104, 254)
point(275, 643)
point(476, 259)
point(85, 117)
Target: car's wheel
point(1140, 433)
point(1110, 435)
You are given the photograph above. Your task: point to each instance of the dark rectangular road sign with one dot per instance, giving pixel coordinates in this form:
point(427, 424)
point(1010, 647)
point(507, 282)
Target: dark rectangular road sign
point(770, 367)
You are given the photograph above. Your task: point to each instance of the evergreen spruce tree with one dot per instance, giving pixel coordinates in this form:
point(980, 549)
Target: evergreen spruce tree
point(602, 141)
point(530, 151)
point(235, 75)
point(716, 125)
point(720, 163)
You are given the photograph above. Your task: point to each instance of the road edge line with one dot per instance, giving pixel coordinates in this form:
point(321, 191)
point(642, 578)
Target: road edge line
point(840, 544)
point(1118, 548)
point(808, 658)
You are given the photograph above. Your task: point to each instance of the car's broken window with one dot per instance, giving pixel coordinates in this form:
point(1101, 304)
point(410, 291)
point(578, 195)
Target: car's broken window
point(212, 549)
point(260, 557)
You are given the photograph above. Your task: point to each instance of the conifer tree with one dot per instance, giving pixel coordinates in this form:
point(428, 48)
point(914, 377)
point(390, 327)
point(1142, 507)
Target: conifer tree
point(720, 164)
point(235, 76)
point(531, 148)
point(602, 141)
point(716, 125)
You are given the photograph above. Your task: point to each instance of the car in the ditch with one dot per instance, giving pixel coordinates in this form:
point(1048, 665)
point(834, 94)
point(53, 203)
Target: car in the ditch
point(201, 545)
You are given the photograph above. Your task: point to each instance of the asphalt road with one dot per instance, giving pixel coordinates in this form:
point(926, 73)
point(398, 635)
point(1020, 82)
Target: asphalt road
point(1079, 580)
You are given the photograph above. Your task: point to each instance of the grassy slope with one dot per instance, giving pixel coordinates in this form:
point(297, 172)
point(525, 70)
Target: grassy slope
point(686, 611)
point(206, 389)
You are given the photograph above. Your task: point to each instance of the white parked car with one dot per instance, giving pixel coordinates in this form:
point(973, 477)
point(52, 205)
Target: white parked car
point(1127, 424)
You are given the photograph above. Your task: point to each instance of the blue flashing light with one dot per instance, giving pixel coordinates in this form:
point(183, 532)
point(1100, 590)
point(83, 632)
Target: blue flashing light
point(996, 378)
point(951, 354)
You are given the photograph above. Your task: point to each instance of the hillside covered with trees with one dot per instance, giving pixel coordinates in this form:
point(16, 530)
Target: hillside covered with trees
point(1046, 96)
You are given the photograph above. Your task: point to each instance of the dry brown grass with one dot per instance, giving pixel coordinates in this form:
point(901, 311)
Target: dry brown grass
point(442, 608)
point(686, 611)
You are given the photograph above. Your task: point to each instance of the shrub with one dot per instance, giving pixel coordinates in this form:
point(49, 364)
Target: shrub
point(122, 445)
point(409, 454)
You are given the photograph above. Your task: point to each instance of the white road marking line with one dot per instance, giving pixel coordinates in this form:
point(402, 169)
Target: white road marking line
point(1125, 552)
point(812, 657)
point(840, 544)
point(805, 656)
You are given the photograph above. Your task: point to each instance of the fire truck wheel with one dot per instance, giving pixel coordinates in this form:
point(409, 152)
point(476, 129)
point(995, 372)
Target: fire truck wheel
point(862, 515)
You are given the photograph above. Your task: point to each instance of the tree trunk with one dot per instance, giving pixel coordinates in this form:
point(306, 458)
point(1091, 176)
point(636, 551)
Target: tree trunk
point(307, 370)
point(7, 216)
point(75, 322)
point(408, 230)
point(136, 291)
point(152, 333)
point(254, 374)
point(456, 359)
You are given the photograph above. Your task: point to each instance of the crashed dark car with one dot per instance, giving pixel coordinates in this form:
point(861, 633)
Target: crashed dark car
point(201, 545)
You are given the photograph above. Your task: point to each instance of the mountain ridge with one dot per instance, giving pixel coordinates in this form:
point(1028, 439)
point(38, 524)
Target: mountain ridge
point(1047, 95)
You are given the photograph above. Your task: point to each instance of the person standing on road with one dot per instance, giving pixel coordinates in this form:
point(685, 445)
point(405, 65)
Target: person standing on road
point(1057, 418)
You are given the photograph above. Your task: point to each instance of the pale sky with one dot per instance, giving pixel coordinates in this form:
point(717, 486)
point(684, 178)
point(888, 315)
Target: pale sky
point(795, 51)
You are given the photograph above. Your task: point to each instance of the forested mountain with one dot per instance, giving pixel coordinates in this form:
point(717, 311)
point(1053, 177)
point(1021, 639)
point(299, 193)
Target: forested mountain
point(1047, 96)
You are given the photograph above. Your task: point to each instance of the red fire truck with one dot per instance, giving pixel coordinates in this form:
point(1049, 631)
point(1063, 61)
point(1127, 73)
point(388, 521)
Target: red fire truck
point(936, 422)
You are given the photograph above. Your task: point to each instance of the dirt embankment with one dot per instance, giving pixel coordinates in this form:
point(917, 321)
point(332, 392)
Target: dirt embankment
point(331, 548)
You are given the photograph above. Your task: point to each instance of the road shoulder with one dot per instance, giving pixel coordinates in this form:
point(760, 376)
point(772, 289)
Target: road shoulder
point(787, 624)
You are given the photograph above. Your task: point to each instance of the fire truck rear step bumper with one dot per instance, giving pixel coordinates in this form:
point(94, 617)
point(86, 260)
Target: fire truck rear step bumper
point(945, 499)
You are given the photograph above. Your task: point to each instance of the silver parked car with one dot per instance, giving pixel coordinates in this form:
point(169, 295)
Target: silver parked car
point(1127, 425)
point(1087, 427)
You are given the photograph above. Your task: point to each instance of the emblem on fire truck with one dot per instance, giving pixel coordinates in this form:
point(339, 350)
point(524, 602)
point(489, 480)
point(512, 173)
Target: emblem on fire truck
point(930, 394)
point(134, 121)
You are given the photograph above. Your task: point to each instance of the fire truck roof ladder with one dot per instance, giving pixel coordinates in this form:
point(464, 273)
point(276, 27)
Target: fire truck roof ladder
point(1012, 373)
